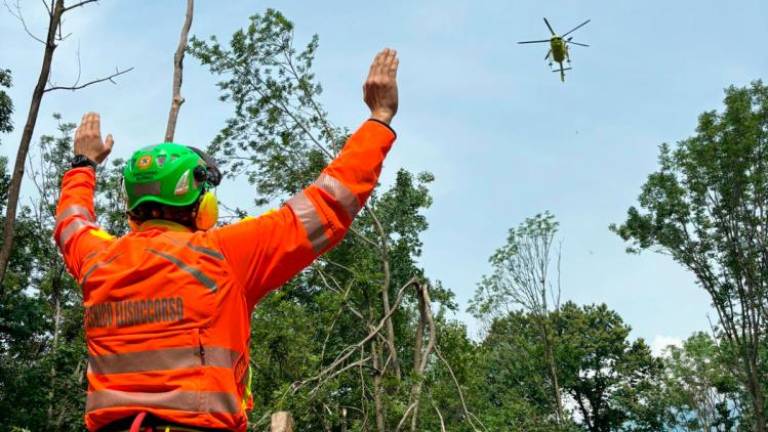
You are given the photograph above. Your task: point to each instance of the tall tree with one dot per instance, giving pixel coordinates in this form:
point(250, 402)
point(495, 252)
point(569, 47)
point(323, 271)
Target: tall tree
point(56, 10)
point(522, 278)
point(707, 207)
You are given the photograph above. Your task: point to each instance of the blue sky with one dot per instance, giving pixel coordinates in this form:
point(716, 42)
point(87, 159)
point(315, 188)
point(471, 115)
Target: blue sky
point(503, 136)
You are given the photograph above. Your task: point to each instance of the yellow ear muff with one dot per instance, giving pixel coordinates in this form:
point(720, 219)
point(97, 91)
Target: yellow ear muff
point(207, 212)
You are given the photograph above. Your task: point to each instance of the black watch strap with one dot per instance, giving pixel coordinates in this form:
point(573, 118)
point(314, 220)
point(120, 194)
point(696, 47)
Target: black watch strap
point(82, 161)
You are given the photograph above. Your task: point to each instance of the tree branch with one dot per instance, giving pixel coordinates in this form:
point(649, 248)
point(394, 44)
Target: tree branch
point(20, 17)
point(77, 5)
point(89, 83)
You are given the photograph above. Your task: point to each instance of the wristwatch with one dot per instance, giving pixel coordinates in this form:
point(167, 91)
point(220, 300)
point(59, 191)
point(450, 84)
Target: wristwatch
point(83, 161)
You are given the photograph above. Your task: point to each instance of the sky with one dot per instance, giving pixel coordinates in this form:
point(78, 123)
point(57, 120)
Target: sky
point(503, 136)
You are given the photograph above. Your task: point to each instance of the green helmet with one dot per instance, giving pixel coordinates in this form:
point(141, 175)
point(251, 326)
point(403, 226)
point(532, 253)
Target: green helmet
point(164, 173)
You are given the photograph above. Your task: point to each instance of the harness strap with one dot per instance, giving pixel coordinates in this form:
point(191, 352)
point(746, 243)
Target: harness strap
point(136, 425)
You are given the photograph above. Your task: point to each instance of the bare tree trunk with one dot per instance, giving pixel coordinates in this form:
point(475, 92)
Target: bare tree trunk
point(282, 421)
point(550, 358)
point(425, 316)
point(385, 292)
point(178, 70)
point(26, 138)
point(377, 389)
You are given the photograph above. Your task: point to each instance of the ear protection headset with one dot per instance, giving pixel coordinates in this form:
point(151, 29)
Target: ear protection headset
point(207, 213)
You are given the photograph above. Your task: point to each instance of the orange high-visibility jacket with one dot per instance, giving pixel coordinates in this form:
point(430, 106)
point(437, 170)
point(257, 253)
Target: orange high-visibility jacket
point(167, 310)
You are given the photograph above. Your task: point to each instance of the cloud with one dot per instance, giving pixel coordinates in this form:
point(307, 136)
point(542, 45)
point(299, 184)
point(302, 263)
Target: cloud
point(661, 342)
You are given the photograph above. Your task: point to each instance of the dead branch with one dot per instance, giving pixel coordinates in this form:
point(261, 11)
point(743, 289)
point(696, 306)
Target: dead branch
point(77, 5)
point(348, 351)
point(425, 318)
point(439, 414)
point(178, 71)
point(461, 393)
point(360, 363)
point(89, 83)
point(18, 15)
point(384, 252)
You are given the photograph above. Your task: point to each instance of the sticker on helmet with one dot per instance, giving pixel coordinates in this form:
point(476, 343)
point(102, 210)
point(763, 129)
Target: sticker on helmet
point(144, 162)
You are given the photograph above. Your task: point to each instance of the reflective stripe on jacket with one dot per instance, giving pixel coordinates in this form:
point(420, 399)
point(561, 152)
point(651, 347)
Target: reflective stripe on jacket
point(167, 310)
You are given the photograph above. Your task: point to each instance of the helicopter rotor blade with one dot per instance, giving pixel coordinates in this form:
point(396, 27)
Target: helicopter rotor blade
point(577, 27)
point(549, 27)
point(549, 53)
point(577, 43)
point(536, 41)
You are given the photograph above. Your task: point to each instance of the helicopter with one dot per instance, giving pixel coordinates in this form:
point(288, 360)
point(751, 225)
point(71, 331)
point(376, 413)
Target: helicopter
point(558, 47)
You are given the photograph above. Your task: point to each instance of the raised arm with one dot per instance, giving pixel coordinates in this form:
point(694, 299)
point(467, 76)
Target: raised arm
point(267, 251)
point(76, 232)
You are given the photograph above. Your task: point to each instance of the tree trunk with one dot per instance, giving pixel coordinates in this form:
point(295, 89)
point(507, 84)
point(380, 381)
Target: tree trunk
point(758, 400)
point(26, 138)
point(377, 389)
point(178, 70)
point(552, 366)
point(425, 317)
point(385, 292)
point(282, 421)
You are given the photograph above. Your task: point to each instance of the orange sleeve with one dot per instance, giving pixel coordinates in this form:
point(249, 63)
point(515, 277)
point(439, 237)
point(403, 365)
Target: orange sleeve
point(76, 232)
point(267, 251)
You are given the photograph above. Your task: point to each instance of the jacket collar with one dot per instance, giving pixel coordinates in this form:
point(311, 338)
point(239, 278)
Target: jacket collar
point(163, 225)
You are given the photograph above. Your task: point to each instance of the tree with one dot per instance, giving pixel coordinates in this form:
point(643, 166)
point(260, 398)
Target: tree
point(56, 10)
point(706, 208)
point(614, 382)
point(701, 393)
point(611, 384)
point(521, 278)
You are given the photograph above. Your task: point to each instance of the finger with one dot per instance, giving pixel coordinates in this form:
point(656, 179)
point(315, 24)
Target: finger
point(375, 63)
point(384, 60)
point(393, 68)
point(93, 123)
point(108, 143)
point(86, 126)
point(82, 121)
point(390, 62)
point(97, 123)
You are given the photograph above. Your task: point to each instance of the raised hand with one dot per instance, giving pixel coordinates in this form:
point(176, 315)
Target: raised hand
point(88, 139)
point(380, 89)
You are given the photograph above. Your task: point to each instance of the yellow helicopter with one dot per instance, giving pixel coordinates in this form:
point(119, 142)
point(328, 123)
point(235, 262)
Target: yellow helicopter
point(558, 47)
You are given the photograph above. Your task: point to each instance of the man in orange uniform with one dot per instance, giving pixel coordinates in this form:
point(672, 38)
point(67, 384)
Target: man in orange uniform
point(168, 306)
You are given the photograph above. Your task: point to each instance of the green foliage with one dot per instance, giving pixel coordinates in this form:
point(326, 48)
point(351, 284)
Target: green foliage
point(612, 380)
point(706, 207)
point(6, 104)
point(609, 382)
point(701, 392)
point(279, 136)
